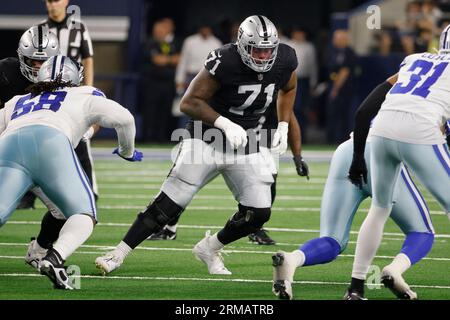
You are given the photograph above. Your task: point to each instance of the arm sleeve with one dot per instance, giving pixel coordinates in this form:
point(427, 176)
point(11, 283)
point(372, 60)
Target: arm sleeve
point(109, 114)
point(217, 64)
point(364, 115)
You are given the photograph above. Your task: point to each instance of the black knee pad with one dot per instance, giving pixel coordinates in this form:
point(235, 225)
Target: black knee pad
point(250, 218)
point(160, 212)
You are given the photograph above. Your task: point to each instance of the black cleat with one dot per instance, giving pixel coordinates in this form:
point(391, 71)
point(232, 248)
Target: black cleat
point(52, 266)
point(353, 295)
point(261, 237)
point(164, 234)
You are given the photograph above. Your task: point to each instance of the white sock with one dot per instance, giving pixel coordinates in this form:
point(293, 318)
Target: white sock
point(122, 250)
point(369, 239)
point(73, 234)
point(172, 228)
point(37, 247)
point(401, 263)
point(299, 258)
point(215, 244)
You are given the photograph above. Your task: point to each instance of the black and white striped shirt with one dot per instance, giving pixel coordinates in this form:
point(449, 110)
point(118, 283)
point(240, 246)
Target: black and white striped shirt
point(73, 36)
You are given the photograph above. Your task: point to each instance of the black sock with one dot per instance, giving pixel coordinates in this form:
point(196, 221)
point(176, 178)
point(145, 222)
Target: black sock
point(357, 285)
point(49, 233)
point(174, 221)
point(138, 232)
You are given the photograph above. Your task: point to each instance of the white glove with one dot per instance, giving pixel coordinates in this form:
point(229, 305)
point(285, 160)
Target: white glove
point(279, 142)
point(235, 134)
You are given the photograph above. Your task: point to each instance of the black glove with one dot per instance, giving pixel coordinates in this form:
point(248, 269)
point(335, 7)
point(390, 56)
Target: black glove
point(358, 171)
point(301, 166)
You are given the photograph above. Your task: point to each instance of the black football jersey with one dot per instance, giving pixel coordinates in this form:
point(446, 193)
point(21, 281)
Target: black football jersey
point(12, 82)
point(245, 95)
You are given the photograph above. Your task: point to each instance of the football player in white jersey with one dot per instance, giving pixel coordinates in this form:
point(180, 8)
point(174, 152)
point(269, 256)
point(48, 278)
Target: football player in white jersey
point(408, 130)
point(38, 132)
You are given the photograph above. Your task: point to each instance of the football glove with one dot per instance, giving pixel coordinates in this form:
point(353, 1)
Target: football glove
point(301, 166)
point(235, 134)
point(137, 155)
point(358, 171)
point(280, 138)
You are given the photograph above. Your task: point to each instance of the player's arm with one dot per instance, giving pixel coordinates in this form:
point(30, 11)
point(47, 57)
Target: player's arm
point(109, 114)
point(365, 113)
point(285, 107)
point(295, 142)
point(88, 65)
point(195, 101)
point(286, 99)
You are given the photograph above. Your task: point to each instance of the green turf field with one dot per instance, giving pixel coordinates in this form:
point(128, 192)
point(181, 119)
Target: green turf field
point(168, 270)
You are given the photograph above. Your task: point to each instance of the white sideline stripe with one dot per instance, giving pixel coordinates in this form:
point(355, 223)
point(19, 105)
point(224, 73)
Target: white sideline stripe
point(224, 251)
point(140, 178)
point(113, 224)
point(35, 275)
point(213, 208)
point(205, 197)
point(133, 186)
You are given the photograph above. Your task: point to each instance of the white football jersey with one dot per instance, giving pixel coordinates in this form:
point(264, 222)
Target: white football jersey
point(418, 105)
point(72, 110)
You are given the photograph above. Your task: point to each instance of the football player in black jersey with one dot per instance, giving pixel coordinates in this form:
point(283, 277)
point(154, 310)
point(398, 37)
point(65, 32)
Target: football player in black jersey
point(270, 121)
point(239, 83)
point(36, 45)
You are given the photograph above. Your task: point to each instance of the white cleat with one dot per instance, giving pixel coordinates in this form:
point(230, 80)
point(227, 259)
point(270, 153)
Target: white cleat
point(394, 281)
point(283, 274)
point(108, 263)
point(35, 254)
point(212, 258)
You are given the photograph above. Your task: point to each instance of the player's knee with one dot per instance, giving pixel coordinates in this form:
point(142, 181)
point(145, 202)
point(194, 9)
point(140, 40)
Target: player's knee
point(254, 217)
point(160, 212)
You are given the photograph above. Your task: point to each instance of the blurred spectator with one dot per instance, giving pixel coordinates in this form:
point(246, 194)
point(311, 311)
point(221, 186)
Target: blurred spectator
point(432, 12)
point(343, 62)
point(193, 55)
point(160, 59)
point(306, 75)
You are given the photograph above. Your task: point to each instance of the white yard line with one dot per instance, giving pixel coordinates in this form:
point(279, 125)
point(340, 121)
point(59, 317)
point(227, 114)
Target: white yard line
point(34, 275)
point(112, 224)
point(225, 251)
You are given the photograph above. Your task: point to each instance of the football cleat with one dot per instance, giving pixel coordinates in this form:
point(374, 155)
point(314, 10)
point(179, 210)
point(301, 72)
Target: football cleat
point(108, 263)
point(283, 275)
point(261, 237)
point(52, 266)
point(212, 258)
point(35, 254)
point(394, 281)
point(164, 234)
point(353, 295)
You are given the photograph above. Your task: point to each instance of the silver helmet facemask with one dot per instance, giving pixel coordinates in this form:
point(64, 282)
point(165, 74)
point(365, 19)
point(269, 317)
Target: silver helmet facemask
point(444, 41)
point(257, 33)
point(37, 43)
point(63, 68)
